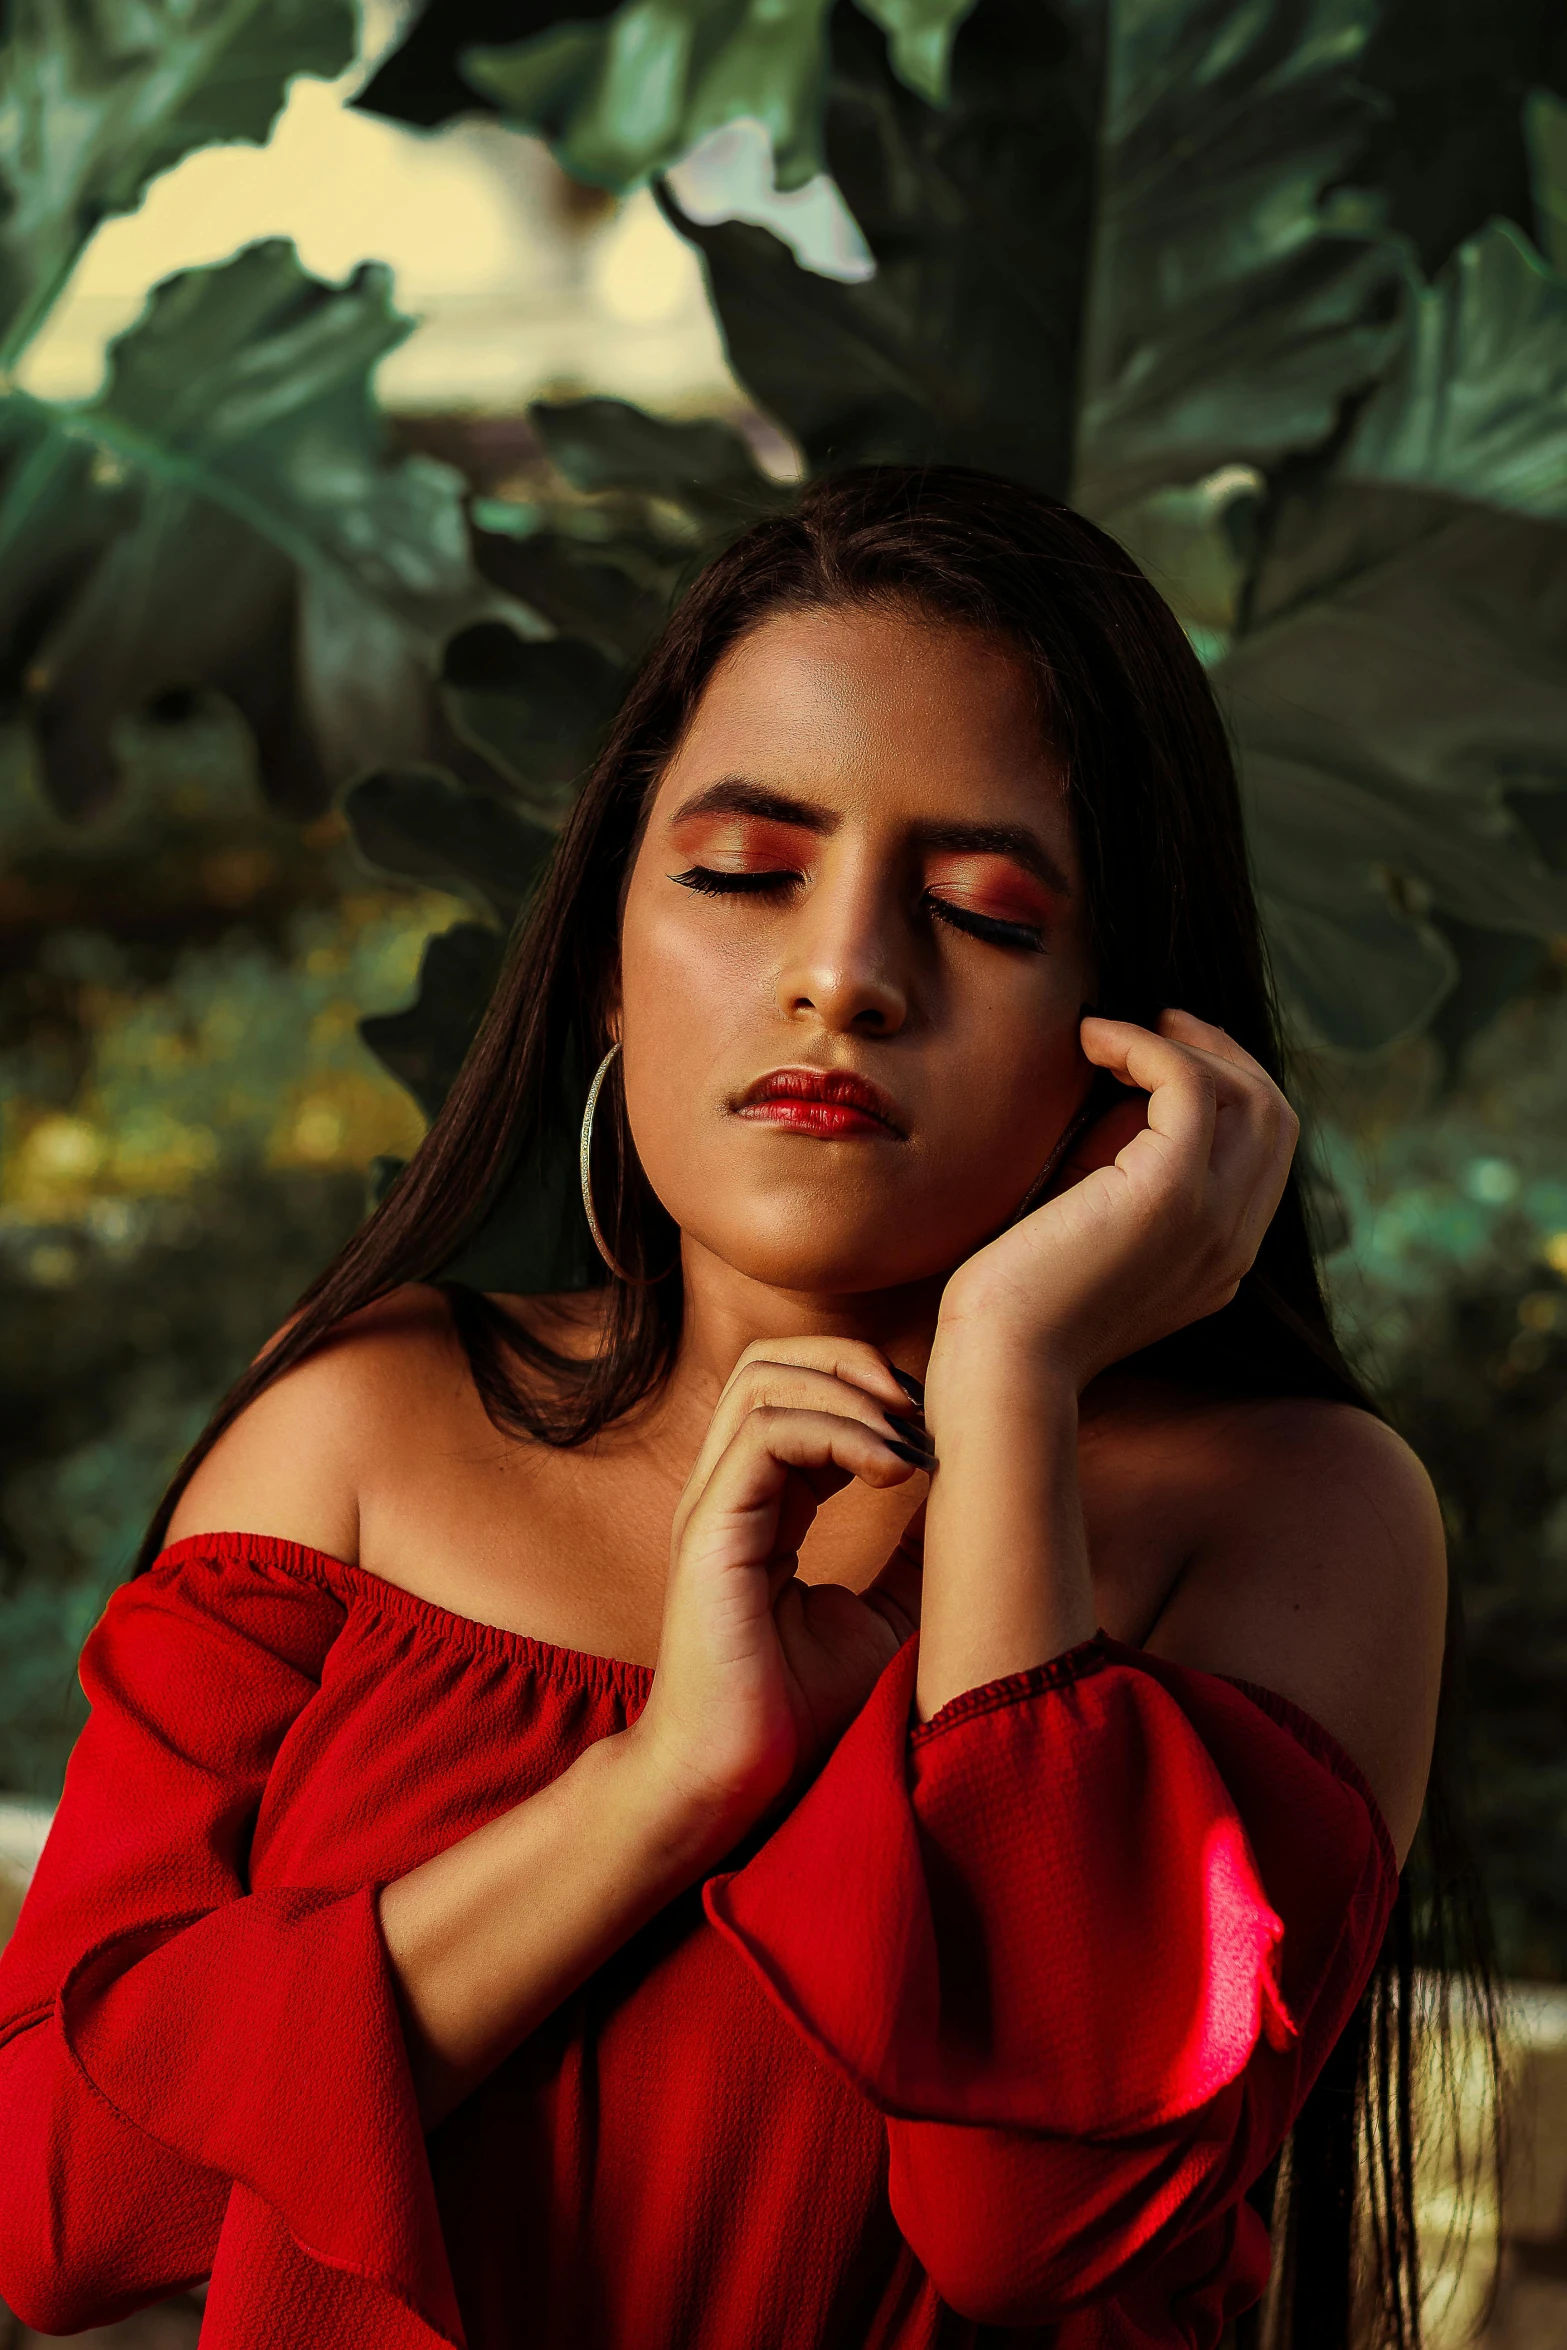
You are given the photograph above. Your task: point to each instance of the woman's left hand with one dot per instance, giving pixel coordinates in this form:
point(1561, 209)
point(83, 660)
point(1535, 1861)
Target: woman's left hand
point(1155, 1239)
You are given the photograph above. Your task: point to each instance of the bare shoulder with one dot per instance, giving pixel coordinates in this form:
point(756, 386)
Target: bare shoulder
point(297, 1461)
point(1320, 1571)
point(1307, 1466)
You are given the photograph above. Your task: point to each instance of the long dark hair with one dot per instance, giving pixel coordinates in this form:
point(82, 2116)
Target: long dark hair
point(487, 1202)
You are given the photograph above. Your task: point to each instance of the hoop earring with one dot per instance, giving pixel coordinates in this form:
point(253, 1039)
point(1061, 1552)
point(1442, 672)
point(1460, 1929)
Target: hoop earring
point(585, 1165)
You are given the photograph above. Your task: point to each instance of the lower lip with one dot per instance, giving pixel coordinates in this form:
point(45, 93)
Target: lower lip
point(829, 1120)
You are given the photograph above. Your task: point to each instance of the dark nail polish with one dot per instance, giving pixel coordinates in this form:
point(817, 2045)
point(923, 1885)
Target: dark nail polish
point(906, 1452)
point(913, 1388)
point(914, 1431)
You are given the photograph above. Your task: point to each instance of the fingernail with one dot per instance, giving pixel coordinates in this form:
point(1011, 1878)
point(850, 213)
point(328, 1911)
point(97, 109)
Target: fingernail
point(913, 1388)
point(915, 1432)
point(906, 1452)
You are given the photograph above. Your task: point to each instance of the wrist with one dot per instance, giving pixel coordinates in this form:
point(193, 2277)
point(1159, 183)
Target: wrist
point(1007, 1582)
point(983, 1366)
point(678, 1819)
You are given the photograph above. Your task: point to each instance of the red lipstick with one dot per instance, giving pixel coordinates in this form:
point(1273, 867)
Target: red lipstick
point(828, 1103)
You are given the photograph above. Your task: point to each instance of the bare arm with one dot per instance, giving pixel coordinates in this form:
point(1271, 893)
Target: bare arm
point(1142, 1243)
point(756, 1672)
point(488, 1937)
point(1007, 1581)
point(1323, 1577)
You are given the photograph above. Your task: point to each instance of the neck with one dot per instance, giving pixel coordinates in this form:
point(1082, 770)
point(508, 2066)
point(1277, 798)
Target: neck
point(726, 1311)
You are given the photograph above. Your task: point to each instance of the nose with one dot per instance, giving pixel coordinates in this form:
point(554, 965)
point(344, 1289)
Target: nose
point(840, 966)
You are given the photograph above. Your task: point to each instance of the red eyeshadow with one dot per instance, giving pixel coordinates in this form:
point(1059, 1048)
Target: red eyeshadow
point(749, 843)
point(990, 885)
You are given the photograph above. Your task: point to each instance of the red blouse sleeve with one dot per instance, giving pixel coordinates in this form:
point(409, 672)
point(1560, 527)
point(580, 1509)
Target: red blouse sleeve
point(174, 2047)
point(1085, 1938)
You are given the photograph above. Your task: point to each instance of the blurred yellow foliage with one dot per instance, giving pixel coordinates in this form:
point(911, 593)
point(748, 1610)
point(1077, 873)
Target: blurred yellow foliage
point(246, 1054)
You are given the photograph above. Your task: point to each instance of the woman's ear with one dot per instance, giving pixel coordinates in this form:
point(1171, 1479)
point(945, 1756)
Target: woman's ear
point(1114, 1113)
point(1099, 1143)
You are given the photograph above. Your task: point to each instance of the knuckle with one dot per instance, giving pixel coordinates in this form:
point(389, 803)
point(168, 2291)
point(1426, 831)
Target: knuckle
point(753, 1434)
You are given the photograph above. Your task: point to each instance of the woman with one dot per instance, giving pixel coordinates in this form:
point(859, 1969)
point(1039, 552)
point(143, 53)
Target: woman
point(522, 1879)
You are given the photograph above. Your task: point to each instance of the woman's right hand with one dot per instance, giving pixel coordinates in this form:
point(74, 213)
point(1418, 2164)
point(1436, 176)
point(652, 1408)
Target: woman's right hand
point(759, 1673)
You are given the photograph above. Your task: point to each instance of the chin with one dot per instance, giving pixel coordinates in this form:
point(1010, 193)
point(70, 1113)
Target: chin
point(815, 1249)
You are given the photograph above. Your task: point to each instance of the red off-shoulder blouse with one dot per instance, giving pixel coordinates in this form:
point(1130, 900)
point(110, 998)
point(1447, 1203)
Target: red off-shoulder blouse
point(982, 2045)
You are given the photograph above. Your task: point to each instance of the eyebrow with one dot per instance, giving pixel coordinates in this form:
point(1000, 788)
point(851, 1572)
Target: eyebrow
point(1016, 841)
point(733, 796)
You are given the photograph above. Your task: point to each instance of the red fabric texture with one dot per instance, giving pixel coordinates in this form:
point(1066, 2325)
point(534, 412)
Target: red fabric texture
point(981, 2046)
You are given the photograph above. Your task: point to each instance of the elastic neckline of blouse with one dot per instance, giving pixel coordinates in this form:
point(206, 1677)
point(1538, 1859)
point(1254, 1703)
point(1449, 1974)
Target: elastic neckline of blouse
point(346, 1580)
point(621, 1678)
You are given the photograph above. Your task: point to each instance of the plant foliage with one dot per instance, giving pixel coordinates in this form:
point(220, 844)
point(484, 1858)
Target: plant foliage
point(623, 93)
point(1139, 255)
point(598, 568)
point(96, 99)
point(225, 513)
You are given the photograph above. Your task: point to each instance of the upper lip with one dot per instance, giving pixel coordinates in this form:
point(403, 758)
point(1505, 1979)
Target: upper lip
point(841, 1087)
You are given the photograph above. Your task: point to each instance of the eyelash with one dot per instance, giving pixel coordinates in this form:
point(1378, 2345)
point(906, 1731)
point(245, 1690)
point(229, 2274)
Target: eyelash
point(709, 882)
point(713, 884)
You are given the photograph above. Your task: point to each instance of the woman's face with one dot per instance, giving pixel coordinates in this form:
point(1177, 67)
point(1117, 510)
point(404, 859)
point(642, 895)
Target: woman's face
point(858, 866)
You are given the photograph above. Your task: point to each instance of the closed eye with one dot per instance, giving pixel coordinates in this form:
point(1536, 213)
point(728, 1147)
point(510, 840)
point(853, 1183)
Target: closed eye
point(989, 927)
point(712, 882)
point(718, 882)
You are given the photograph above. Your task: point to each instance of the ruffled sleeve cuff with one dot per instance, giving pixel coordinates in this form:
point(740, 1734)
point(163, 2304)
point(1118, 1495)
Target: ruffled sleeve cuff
point(1046, 1909)
point(294, 2082)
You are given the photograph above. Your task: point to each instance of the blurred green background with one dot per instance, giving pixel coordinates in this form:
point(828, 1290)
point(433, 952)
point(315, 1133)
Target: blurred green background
point(318, 581)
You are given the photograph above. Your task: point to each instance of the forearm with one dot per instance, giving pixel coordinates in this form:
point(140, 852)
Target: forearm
point(489, 1937)
point(1007, 1581)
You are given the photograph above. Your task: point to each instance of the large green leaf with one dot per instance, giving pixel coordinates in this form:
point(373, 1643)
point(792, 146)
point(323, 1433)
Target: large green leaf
point(421, 81)
point(622, 94)
point(1452, 149)
point(536, 711)
point(96, 98)
point(1476, 401)
point(964, 344)
point(424, 1045)
point(227, 514)
point(535, 1238)
point(1238, 292)
point(1110, 261)
point(654, 497)
point(625, 98)
point(1399, 689)
point(612, 587)
point(415, 822)
point(1389, 641)
point(1128, 261)
point(704, 472)
point(641, 500)
point(1546, 120)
